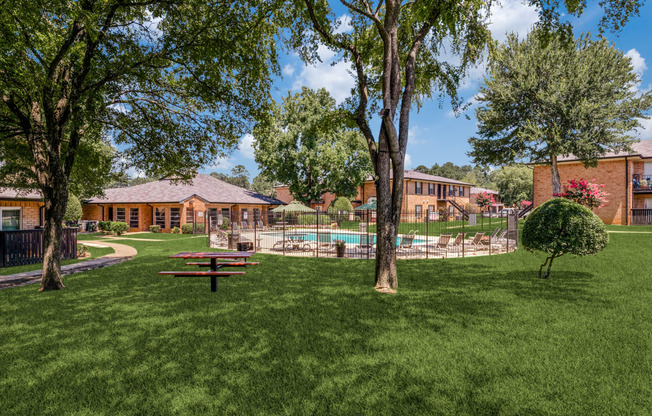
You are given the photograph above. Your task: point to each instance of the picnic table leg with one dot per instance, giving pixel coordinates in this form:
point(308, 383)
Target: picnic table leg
point(214, 278)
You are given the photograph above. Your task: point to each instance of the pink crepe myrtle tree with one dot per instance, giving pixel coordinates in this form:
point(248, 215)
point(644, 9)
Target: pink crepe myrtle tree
point(589, 194)
point(485, 201)
point(524, 204)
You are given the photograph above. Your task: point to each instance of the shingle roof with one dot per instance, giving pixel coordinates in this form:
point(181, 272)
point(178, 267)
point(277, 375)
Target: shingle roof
point(13, 193)
point(210, 189)
point(414, 175)
point(642, 149)
point(475, 190)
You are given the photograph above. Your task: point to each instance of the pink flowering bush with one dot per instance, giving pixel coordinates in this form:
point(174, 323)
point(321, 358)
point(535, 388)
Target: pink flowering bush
point(589, 194)
point(485, 200)
point(525, 204)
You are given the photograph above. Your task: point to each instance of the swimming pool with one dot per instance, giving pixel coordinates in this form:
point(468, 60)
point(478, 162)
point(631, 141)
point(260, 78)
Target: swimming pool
point(349, 238)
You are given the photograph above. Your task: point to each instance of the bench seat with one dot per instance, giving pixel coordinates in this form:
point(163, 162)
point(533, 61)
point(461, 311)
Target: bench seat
point(222, 264)
point(191, 273)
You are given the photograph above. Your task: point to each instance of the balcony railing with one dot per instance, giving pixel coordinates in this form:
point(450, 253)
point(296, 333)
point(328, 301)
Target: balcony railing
point(642, 217)
point(642, 183)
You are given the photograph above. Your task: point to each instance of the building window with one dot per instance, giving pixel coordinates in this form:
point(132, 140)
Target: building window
point(212, 217)
point(256, 215)
point(120, 215)
point(431, 188)
point(439, 190)
point(461, 191)
point(10, 219)
point(159, 217)
point(417, 187)
point(451, 191)
point(190, 215)
point(245, 214)
point(226, 213)
point(133, 218)
point(417, 212)
point(175, 217)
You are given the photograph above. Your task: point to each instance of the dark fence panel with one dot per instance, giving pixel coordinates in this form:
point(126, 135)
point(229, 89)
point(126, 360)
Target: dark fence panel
point(18, 248)
point(642, 217)
point(421, 235)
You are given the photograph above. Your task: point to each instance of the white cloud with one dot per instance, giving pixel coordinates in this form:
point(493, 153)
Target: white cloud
point(408, 161)
point(416, 134)
point(638, 62)
point(645, 132)
point(334, 77)
point(288, 70)
point(344, 24)
point(224, 163)
point(246, 146)
point(512, 16)
point(135, 173)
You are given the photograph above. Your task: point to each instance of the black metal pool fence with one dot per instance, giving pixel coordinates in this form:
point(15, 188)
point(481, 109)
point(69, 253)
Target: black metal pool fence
point(421, 235)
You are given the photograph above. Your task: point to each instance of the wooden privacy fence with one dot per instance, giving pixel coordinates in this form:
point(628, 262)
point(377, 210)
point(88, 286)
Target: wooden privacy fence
point(22, 247)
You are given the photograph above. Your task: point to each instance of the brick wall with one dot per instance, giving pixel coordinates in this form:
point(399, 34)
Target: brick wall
point(610, 173)
point(30, 212)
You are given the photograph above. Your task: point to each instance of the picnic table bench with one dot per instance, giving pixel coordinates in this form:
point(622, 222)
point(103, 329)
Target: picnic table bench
point(215, 266)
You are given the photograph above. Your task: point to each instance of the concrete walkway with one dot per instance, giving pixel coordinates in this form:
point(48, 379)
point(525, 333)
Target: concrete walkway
point(121, 254)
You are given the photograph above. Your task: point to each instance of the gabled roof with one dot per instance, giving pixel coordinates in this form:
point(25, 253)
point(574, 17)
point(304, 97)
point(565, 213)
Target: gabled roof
point(414, 175)
point(642, 149)
point(206, 187)
point(20, 194)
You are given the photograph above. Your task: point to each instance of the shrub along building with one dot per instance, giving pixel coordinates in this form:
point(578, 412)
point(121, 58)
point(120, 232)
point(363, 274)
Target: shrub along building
point(627, 178)
point(20, 209)
point(169, 204)
point(422, 193)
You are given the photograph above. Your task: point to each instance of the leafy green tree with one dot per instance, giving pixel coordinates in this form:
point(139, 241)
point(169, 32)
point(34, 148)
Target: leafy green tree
point(239, 177)
point(340, 204)
point(172, 81)
point(544, 98)
point(263, 186)
point(73, 209)
point(514, 184)
point(305, 145)
point(396, 51)
point(560, 226)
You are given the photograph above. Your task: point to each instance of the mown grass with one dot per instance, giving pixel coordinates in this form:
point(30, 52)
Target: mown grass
point(473, 336)
point(95, 252)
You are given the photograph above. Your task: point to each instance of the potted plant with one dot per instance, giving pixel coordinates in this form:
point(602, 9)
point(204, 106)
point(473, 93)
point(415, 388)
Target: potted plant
point(340, 248)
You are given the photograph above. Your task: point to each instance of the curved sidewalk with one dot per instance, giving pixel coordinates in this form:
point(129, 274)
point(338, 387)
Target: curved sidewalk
point(121, 254)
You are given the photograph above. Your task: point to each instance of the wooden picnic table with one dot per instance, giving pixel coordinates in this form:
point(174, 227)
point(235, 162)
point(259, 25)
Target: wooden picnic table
point(214, 265)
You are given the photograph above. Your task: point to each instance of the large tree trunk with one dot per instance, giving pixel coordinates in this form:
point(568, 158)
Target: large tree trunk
point(554, 171)
point(56, 199)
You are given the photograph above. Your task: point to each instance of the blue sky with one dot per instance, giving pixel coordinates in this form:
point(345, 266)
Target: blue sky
point(436, 135)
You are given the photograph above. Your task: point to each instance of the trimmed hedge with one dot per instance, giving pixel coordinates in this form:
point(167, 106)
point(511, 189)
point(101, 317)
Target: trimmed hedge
point(155, 228)
point(119, 227)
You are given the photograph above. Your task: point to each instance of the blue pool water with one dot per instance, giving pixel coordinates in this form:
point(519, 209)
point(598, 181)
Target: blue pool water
point(348, 238)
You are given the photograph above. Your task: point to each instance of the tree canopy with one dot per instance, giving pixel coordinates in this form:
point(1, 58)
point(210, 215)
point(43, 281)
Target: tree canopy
point(239, 177)
point(174, 83)
point(305, 145)
point(400, 55)
point(514, 184)
point(544, 98)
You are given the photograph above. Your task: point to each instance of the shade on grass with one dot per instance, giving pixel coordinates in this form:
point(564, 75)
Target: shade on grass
point(310, 336)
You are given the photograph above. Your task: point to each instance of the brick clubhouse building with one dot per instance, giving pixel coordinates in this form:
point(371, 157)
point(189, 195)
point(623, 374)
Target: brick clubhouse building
point(627, 178)
point(169, 204)
point(422, 193)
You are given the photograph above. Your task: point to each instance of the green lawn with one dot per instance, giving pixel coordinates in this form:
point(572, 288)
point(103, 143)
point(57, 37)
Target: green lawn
point(473, 336)
point(95, 252)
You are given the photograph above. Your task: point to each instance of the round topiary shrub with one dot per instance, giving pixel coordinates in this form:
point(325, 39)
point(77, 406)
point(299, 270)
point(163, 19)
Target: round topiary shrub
point(187, 228)
point(73, 209)
point(340, 204)
point(560, 227)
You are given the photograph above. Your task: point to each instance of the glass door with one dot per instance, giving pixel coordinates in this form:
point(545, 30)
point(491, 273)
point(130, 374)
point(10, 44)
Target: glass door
point(10, 220)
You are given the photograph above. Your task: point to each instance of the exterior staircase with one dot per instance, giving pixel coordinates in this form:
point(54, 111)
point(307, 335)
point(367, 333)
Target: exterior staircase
point(525, 210)
point(460, 207)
